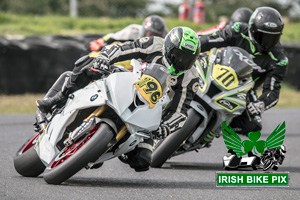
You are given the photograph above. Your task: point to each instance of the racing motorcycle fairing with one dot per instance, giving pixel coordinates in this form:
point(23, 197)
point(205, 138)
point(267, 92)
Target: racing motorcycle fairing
point(221, 97)
point(119, 93)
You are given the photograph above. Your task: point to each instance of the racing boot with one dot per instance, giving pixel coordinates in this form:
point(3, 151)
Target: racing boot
point(140, 158)
point(41, 121)
point(52, 95)
point(45, 105)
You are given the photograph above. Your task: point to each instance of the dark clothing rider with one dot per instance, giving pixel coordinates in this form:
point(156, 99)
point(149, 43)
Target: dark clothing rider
point(261, 39)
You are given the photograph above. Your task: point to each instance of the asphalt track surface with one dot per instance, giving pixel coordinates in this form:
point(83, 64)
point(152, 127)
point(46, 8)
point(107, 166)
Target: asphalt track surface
point(189, 176)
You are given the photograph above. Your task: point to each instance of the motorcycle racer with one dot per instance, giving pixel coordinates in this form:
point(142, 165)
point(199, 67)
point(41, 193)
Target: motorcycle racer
point(153, 25)
point(261, 39)
point(276, 155)
point(177, 52)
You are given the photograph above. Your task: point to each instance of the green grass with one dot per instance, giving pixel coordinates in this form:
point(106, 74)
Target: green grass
point(59, 25)
point(28, 25)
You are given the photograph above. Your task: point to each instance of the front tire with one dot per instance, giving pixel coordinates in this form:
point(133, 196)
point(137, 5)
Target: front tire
point(27, 163)
point(170, 144)
point(66, 165)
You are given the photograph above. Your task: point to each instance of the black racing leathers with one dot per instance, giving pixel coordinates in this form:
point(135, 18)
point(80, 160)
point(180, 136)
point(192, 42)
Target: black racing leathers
point(149, 49)
point(272, 64)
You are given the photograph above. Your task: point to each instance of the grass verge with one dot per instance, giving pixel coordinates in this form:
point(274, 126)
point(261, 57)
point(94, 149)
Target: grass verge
point(28, 25)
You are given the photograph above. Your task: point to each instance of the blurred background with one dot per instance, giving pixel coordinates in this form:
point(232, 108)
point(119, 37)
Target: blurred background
point(41, 39)
point(141, 8)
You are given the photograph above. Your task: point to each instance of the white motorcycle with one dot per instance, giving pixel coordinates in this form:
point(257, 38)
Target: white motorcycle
point(104, 120)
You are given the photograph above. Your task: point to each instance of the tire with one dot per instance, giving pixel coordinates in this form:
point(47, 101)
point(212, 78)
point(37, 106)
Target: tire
point(90, 151)
point(267, 165)
point(170, 144)
point(27, 163)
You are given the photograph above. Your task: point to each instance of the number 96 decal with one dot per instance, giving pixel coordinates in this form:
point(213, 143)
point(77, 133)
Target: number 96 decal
point(150, 89)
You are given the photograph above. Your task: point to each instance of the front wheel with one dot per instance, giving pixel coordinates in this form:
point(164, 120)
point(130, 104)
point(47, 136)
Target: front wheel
point(72, 159)
point(267, 164)
point(170, 144)
point(27, 163)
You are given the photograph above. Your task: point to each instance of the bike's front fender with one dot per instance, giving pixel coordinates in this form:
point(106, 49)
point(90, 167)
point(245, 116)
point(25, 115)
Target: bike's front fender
point(46, 145)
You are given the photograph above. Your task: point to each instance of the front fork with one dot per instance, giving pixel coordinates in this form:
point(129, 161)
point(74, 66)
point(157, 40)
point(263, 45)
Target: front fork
point(89, 123)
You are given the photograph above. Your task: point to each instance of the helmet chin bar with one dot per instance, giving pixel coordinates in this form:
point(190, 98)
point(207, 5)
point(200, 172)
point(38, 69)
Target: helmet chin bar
point(166, 63)
point(171, 68)
point(257, 46)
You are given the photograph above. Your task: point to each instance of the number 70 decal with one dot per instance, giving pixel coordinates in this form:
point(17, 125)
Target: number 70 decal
point(225, 76)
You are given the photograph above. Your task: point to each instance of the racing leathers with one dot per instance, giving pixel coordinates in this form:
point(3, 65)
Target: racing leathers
point(270, 72)
point(147, 49)
point(129, 33)
point(182, 88)
point(182, 91)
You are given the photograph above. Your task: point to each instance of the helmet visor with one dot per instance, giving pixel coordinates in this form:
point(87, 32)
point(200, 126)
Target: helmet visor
point(149, 33)
point(267, 40)
point(181, 60)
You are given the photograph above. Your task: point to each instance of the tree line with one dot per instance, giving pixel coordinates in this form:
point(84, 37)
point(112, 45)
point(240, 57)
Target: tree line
point(137, 8)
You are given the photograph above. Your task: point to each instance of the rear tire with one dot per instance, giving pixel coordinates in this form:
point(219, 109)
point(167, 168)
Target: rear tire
point(170, 144)
point(27, 163)
point(89, 152)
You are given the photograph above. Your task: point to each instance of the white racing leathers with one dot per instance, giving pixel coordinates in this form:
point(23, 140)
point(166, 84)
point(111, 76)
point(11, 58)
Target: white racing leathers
point(183, 87)
point(129, 33)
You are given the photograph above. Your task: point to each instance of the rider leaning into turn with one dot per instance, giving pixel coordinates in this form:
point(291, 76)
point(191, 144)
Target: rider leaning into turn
point(177, 52)
point(261, 39)
point(153, 25)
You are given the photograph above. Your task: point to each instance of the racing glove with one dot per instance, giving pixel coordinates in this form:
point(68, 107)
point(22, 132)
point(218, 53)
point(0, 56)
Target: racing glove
point(96, 45)
point(171, 123)
point(257, 107)
point(162, 132)
point(101, 64)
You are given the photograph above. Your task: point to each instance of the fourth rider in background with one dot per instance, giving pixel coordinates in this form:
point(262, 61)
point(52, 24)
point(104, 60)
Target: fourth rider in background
point(261, 39)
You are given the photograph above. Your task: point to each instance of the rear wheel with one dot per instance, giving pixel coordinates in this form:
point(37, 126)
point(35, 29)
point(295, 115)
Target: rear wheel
point(165, 149)
point(72, 159)
point(27, 163)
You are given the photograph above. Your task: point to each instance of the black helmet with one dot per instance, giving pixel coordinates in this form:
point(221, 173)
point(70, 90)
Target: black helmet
point(241, 15)
point(236, 58)
point(265, 28)
point(181, 49)
point(154, 25)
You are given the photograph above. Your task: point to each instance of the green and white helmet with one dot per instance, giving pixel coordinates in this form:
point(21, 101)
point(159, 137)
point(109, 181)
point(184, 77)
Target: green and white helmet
point(181, 49)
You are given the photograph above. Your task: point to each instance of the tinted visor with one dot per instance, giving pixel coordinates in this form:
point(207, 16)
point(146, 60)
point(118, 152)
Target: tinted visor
point(149, 33)
point(266, 40)
point(181, 59)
